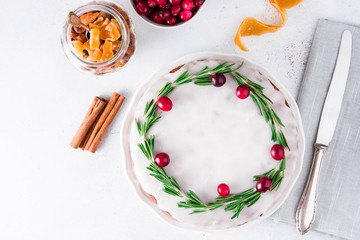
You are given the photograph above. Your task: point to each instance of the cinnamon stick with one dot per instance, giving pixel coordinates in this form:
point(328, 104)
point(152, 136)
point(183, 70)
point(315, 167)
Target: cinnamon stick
point(95, 109)
point(88, 134)
point(102, 119)
point(106, 123)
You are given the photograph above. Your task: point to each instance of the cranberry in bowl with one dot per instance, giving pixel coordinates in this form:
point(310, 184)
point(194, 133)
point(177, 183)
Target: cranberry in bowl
point(167, 13)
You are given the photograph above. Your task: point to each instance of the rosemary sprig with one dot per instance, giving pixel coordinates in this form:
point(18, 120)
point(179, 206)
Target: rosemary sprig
point(170, 184)
point(232, 202)
point(166, 90)
point(276, 175)
point(148, 147)
point(237, 202)
point(265, 108)
point(151, 117)
point(143, 128)
point(203, 80)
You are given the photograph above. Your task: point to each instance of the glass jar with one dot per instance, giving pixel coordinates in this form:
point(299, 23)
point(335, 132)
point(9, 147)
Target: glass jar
point(127, 46)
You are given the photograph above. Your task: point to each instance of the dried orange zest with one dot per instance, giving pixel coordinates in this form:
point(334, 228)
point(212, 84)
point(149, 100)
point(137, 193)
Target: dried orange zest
point(107, 51)
point(78, 45)
point(119, 64)
point(102, 40)
point(116, 24)
point(109, 32)
point(98, 23)
point(105, 22)
point(250, 26)
point(89, 17)
point(116, 45)
point(95, 55)
point(86, 46)
point(94, 38)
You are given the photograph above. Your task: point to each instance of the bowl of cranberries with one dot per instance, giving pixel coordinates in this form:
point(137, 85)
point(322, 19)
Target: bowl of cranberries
point(167, 13)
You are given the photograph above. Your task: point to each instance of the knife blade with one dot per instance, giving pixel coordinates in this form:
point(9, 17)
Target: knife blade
point(334, 97)
point(305, 214)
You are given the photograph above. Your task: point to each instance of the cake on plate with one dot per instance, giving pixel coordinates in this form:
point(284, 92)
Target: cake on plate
point(213, 142)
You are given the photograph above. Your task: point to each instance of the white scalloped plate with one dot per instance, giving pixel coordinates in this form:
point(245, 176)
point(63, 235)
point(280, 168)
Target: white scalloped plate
point(284, 189)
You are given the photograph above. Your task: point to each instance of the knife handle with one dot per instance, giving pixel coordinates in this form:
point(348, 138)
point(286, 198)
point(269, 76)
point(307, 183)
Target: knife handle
point(305, 213)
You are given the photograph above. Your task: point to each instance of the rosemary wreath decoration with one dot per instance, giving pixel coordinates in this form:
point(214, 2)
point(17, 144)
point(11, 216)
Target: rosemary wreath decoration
point(231, 202)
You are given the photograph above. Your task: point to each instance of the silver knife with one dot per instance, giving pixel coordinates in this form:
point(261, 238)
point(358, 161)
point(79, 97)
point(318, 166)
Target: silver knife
point(305, 214)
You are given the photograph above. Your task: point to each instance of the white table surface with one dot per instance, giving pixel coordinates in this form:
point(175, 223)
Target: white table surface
point(49, 190)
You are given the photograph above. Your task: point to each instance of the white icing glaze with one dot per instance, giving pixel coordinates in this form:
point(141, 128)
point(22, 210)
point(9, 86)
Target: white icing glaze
point(213, 137)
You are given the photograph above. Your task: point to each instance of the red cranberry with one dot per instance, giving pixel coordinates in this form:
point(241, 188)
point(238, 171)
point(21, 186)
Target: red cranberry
point(151, 3)
point(198, 3)
point(164, 14)
point(277, 152)
point(156, 17)
point(223, 190)
point(162, 159)
point(175, 10)
point(142, 8)
point(160, 2)
point(165, 6)
point(263, 184)
point(137, 1)
point(187, 4)
point(174, 2)
point(218, 79)
point(242, 91)
point(171, 20)
point(185, 15)
point(164, 103)
point(150, 12)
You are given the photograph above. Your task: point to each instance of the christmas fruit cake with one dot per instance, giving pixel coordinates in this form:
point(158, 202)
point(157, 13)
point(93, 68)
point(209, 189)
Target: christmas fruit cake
point(213, 142)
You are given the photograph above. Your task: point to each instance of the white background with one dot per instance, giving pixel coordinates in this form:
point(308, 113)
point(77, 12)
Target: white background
point(49, 190)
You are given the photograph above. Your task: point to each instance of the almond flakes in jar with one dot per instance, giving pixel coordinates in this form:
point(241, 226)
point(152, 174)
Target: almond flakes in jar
point(107, 46)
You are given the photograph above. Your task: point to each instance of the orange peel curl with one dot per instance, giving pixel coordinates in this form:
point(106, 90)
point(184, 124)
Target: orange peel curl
point(252, 27)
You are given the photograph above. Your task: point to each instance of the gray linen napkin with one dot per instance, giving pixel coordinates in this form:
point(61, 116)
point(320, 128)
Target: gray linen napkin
point(338, 205)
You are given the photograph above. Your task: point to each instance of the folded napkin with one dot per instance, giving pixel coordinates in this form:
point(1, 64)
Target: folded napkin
point(338, 204)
